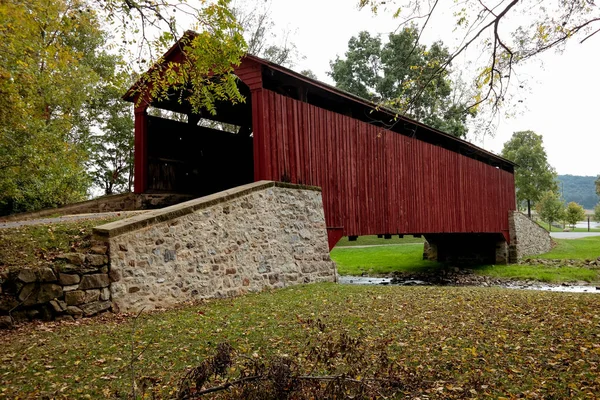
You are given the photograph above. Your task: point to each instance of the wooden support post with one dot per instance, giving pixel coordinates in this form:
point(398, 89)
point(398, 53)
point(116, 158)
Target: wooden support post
point(379, 236)
point(140, 183)
point(258, 136)
point(387, 236)
point(352, 238)
point(401, 236)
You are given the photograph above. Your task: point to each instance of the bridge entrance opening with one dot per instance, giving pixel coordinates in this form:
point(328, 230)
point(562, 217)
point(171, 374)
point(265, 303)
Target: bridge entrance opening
point(198, 153)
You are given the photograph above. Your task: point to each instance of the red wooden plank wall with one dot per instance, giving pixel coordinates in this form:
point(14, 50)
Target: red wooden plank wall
point(376, 181)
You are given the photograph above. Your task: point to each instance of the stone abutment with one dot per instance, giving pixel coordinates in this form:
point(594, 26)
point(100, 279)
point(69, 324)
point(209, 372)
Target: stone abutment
point(250, 238)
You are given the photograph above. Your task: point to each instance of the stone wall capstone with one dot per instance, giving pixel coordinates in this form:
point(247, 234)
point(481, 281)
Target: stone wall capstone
point(527, 238)
point(257, 236)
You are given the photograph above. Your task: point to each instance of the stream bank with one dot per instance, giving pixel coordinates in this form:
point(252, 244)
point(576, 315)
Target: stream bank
point(460, 277)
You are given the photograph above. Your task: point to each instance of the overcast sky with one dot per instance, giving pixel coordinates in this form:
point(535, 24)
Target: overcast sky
point(562, 104)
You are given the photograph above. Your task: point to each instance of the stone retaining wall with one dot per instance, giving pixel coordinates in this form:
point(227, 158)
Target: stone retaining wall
point(527, 238)
point(76, 285)
point(253, 237)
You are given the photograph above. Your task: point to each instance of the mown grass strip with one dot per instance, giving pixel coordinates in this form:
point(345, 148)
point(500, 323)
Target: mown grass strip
point(459, 342)
point(374, 240)
point(542, 273)
point(594, 227)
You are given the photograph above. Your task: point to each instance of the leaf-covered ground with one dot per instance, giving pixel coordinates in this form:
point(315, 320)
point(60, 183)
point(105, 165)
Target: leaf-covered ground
point(35, 246)
point(453, 342)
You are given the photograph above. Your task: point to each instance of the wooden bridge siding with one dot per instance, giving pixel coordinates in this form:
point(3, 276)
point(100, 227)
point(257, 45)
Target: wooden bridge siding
point(376, 181)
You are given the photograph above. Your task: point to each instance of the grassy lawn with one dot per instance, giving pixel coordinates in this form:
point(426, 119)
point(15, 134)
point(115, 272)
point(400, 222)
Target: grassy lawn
point(449, 342)
point(381, 260)
point(37, 245)
point(577, 249)
point(374, 240)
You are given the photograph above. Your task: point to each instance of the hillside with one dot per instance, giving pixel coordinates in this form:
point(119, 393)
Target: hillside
point(580, 189)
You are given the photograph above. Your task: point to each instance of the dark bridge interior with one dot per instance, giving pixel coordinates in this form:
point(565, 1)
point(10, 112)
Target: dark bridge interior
point(200, 157)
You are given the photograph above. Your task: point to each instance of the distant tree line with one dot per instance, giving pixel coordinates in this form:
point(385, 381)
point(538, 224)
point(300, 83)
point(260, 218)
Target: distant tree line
point(580, 189)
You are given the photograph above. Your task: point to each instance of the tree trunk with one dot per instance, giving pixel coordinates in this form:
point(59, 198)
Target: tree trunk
point(529, 208)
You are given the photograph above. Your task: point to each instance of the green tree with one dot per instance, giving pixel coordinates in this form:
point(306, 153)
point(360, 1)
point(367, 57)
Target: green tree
point(52, 64)
point(399, 74)
point(213, 48)
point(550, 208)
point(487, 28)
point(598, 185)
point(597, 213)
point(574, 213)
point(533, 173)
point(112, 159)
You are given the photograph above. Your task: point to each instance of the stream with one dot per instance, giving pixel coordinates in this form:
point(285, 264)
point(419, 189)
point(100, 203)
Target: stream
point(474, 280)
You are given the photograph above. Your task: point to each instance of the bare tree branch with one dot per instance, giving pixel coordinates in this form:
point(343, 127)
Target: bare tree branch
point(550, 28)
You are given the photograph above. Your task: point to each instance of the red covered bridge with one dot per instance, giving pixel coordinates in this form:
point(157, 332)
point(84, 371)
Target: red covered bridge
point(379, 175)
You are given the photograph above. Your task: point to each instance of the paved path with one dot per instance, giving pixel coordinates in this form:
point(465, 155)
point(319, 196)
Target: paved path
point(573, 235)
point(67, 218)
